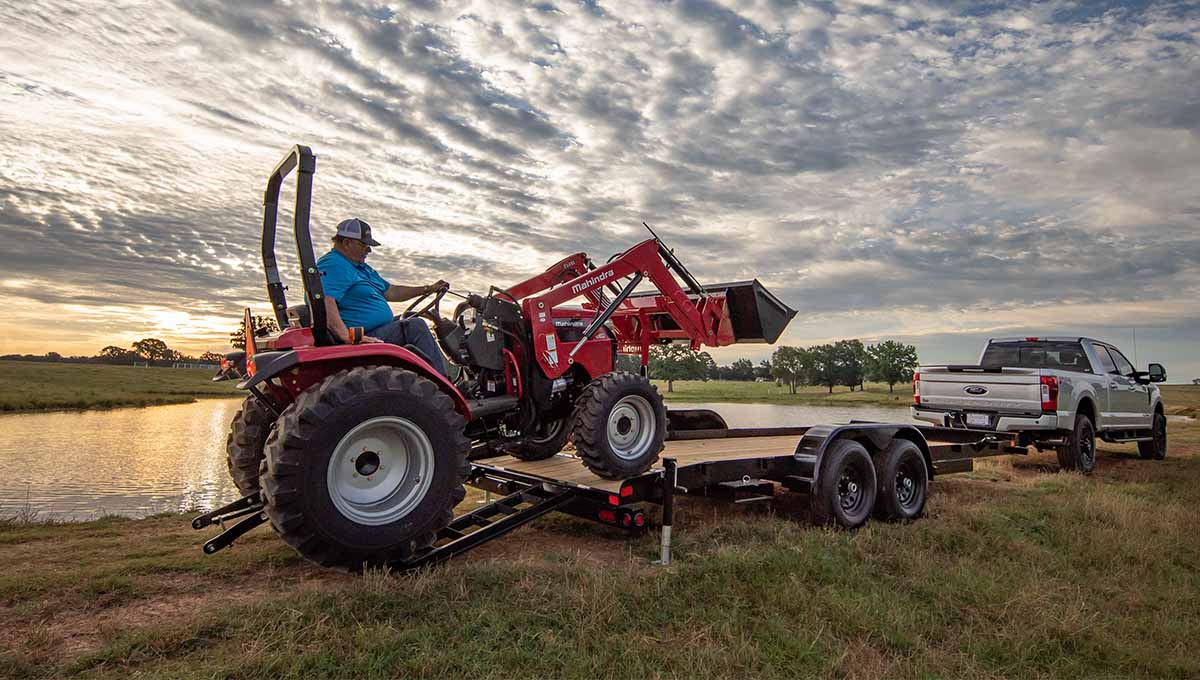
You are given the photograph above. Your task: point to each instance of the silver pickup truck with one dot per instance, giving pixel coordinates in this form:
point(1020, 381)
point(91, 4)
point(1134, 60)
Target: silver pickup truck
point(1058, 393)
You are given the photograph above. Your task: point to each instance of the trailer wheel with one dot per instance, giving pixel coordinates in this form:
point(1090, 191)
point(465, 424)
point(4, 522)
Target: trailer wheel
point(903, 480)
point(1079, 453)
point(1155, 449)
point(365, 467)
point(620, 425)
point(846, 489)
point(244, 445)
point(547, 439)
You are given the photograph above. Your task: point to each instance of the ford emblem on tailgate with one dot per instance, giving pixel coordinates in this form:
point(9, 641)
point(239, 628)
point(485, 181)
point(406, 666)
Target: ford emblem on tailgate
point(975, 389)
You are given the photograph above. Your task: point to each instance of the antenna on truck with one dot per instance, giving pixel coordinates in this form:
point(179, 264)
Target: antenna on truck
point(674, 264)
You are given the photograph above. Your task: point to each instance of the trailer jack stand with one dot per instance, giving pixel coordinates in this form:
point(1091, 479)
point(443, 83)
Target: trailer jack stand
point(249, 507)
point(670, 476)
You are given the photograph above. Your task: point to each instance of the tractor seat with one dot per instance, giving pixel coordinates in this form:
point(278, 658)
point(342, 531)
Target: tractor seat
point(299, 316)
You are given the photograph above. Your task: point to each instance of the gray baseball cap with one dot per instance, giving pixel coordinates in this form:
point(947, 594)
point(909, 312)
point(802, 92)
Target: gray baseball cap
point(356, 229)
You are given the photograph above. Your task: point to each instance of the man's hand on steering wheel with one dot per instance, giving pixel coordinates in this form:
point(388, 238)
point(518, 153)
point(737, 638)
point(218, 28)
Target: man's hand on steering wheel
point(438, 291)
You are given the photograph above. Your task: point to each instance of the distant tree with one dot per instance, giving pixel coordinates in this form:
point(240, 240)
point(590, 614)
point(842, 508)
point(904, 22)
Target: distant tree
point(629, 362)
point(152, 349)
point(678, 362)
point(852, 362)
point(53, 356)
point(891, 362)
point(763, 370)
point(742, 369)
point(791, 366)
point(263, 325)
point(211, 358)
point(112, 353)
point(826, 367)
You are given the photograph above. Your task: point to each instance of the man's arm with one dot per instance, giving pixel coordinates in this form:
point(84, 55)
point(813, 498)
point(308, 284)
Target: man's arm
point(333, 320)
point(396, 293)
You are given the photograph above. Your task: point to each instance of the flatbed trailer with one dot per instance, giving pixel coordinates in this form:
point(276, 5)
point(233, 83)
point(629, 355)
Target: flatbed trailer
point(701, 457)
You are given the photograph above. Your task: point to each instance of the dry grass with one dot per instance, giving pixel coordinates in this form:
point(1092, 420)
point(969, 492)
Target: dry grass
point(1018, 570)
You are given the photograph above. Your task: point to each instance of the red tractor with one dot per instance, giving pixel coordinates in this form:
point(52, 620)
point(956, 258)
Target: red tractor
point(358, 452)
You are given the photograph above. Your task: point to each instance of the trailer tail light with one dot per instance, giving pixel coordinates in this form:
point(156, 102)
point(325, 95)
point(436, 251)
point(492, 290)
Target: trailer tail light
point(639, 520)
point(1049, 393)
point(614, 499)
point(626, 491)
point(917, 388)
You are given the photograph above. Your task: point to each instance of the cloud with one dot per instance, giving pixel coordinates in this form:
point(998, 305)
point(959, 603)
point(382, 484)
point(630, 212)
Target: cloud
point(868, 161)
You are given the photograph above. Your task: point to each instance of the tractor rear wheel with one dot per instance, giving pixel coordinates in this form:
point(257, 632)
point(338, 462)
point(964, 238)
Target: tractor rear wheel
point(365, 467)
point(244, 445)
point(546, 440)
point(620, 425)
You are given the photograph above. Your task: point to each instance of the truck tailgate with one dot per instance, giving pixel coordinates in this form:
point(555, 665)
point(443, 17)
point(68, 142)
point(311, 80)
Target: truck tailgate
point(1016, 390)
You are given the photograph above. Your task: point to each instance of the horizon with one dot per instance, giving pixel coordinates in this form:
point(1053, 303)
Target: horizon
point(935, 173)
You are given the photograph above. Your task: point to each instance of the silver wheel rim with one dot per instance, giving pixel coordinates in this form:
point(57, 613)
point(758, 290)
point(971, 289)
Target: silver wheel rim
point(631, 427)
point(380, 470)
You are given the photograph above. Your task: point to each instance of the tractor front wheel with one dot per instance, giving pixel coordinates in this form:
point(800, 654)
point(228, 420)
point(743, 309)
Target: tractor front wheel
point(620, 425)
point(365, 467)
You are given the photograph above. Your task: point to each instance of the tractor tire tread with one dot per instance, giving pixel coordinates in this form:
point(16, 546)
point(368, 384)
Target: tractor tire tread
point(244, 445)
point(588, 407)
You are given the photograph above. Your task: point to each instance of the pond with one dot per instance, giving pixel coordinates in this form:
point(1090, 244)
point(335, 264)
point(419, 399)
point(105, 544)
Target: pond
point(76, 465)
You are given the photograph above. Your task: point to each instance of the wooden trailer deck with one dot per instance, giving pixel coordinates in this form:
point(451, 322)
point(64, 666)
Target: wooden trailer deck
point(569, 469)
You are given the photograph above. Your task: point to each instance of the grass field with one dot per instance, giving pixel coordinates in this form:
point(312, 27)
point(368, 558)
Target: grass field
point(32, 386)
point(768, 392)
point(1018, 570)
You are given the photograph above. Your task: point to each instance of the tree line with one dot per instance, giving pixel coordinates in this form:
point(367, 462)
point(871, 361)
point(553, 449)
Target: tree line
point(845, 362)
point(153, 351)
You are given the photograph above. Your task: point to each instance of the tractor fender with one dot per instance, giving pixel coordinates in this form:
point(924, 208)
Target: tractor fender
point(267, 365)
point(874, 436)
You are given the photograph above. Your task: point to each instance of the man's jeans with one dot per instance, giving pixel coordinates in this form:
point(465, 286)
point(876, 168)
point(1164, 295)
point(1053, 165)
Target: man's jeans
point(412, 332)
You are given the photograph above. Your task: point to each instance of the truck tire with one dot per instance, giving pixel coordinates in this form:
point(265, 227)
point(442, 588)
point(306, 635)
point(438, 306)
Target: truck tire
point(846, 488)
point(547, 439)
point(1155, 449)
point(1079, 453)
point(365, 467)
point(244, 445)
point(620, 425)
point(902, 482)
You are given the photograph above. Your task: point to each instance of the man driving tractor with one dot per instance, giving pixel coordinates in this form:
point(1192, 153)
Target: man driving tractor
point(356, 297)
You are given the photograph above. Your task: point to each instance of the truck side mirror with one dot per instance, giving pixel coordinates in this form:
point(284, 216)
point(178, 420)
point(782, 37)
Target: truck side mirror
point(1157, 373)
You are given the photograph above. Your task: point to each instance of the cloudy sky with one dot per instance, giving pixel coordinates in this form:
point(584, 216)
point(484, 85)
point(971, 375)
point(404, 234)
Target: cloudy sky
point(935, 171)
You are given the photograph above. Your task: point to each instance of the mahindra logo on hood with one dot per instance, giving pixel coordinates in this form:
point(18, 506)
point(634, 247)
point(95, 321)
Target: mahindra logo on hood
point(589, 282)
point(975, 390)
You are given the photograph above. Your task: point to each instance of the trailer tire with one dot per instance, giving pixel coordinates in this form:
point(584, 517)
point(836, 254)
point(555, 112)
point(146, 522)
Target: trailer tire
point(902, 482)
point(1079, 452)
point(244, 445)
point(1156, 449)
point(846, 488)
point(361, 423)
point(620, 425)
point(546, 440)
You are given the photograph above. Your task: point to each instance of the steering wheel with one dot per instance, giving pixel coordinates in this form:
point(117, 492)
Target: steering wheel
point(428, 307)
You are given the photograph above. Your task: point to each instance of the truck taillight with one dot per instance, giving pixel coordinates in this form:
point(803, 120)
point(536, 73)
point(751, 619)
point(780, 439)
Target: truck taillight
point(916, 388)
point(1049, 393)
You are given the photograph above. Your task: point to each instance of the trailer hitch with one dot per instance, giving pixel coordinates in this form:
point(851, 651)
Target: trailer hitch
point(249, 507)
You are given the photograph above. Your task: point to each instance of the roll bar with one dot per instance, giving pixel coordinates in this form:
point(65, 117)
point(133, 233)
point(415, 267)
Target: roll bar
point(298, 157)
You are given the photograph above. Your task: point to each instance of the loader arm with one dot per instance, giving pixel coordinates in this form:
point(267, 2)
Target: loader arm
point(703, 320)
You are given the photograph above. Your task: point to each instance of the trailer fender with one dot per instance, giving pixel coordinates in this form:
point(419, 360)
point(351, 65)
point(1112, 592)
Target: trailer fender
point(874, 436)
point(268, 365)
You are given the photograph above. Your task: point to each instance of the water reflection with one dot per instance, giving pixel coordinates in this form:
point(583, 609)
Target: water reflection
point(140, 461)
point(133, 461)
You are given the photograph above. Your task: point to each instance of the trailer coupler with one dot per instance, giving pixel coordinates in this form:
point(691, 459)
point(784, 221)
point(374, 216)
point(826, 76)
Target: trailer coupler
point(249, 507)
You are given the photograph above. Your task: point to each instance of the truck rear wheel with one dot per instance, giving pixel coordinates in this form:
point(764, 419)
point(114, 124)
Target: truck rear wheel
point(845, 494)
point(1155, 449)
point(365, 467)
point(546, 440)
point(620, 425)
point(1079, 452)
point(903, 481)
point(244, 445)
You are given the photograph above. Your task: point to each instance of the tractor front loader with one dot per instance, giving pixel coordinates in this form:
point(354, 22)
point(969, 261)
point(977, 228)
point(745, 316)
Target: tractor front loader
point(357, 453)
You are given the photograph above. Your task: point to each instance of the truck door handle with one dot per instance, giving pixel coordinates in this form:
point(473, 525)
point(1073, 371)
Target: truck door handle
point(1113, 385)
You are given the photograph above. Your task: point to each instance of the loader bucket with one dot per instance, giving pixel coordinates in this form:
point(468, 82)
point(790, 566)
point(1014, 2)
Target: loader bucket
point(757, 315)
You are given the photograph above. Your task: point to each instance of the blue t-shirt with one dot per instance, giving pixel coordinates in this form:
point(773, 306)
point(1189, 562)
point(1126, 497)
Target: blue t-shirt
point(357, 289)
